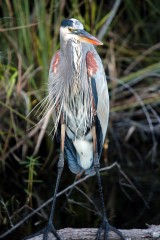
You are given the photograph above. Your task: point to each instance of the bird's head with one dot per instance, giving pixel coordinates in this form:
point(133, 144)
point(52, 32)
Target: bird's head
point(72, 28)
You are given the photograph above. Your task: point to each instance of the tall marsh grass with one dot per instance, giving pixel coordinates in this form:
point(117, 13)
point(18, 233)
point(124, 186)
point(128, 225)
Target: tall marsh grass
point(29, 36)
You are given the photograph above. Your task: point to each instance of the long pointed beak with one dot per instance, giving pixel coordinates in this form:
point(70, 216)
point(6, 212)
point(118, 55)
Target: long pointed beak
point(86, 37)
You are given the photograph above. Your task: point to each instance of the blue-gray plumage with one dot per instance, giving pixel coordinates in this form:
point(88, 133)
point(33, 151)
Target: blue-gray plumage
point(78, 98)
point(75, 82)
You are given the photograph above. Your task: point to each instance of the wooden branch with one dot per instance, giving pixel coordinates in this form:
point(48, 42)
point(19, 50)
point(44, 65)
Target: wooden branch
point(153, 232)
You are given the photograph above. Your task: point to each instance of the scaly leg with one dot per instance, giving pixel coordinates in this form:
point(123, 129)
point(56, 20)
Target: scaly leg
point(105, 226)
point(50, 227)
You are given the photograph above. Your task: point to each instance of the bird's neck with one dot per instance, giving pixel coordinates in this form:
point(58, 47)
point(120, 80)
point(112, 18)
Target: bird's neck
point(73, 56)
point(76, 55)
point(76, 64)
point(72, 51)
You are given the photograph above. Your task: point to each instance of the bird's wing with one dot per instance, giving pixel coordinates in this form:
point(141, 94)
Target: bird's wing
point(100, 95)
point(71, 156)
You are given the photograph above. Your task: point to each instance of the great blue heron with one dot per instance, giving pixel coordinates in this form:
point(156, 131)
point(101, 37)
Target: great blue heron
point(79, 100)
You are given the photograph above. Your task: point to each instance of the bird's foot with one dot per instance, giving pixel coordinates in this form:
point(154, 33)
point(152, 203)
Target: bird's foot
point(45, 231)
point(105, 228)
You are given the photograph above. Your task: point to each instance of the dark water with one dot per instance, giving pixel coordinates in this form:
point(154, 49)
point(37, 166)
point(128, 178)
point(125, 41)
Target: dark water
point(131, 192)
point(128, 206)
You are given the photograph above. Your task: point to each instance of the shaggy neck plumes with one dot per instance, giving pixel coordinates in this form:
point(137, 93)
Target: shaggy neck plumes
point(71, 89)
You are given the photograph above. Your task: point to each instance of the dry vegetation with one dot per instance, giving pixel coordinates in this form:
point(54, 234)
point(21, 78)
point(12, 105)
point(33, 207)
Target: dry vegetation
point(29, 35)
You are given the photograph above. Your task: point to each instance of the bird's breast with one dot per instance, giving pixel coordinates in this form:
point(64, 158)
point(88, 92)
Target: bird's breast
point(77, 104)
point(76, 114)
point(76, 65)
point(76, 56)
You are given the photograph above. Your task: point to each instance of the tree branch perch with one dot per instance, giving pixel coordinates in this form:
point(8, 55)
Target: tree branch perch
point(152, 232)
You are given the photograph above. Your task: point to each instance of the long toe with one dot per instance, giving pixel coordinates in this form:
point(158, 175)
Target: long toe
point(113, 229)
point(50, 229)
point(55, 232)
point(104, 230)
point(99, 232)
point(45, 231)
point(45, 234)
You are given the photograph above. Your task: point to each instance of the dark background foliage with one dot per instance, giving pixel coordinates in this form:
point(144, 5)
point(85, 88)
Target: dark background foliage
point(29, 36)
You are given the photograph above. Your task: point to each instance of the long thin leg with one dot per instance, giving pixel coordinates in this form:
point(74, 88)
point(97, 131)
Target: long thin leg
point(105, 225)
point(60, 169)
point(50, 226)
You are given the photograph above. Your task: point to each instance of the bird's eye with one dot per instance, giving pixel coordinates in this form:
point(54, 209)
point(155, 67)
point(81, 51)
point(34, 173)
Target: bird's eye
point(70, 28)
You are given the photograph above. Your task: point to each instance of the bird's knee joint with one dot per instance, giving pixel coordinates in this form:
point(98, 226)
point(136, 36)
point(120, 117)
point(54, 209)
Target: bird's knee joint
point(96, 162)
point(96, 167)
point(60, 164)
